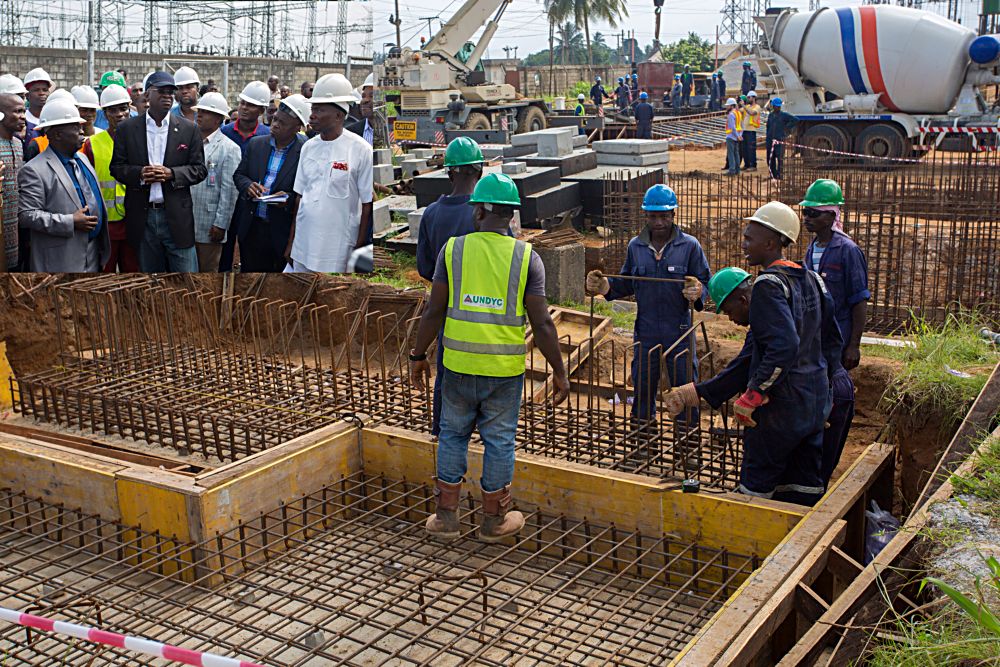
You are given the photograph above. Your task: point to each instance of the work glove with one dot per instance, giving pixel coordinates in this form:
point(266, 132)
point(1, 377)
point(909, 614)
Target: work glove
point(597, 283)
point(692, 289)
point(746, 404)
point(685, 396)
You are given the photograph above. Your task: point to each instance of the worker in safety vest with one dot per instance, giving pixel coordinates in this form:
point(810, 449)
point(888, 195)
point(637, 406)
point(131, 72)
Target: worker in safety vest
point(484, 285)
point(580, 110)
point(783, 371)
point(734, 138)
point(663, 315)
point(750, 121)
point(115, 103)
point(38, 143)
point(842, 265)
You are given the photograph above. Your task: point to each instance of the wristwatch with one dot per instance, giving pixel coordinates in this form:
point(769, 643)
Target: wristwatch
point(418, 357)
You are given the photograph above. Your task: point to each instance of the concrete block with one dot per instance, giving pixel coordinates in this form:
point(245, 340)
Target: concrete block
point(511, 168)
point(579, 141)
point(414, 218)
point(532, 138)
point(492, 152)
point(577, 161)
point(423, 153)
point(382, 216)
point(429, 187)
point(383, 174)
point(412, 167)
point(555, 144)
point(382, 156)
point(541, 206)
point(634, 159)
point(565, 271)
point(509, 150)
point(629, 146)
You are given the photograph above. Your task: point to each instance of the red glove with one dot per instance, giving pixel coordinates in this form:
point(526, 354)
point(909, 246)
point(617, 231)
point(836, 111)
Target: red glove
point(746, 404)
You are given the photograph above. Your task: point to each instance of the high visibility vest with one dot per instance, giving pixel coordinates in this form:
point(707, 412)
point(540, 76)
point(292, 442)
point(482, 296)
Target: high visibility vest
point(112, 192)
point(43, 143)
point(484, 327)
point(739, 126)
point(752, 119)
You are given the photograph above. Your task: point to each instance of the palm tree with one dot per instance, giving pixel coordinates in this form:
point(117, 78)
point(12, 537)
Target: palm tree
point(609, 11)
point(569, 44)
point(557, 11)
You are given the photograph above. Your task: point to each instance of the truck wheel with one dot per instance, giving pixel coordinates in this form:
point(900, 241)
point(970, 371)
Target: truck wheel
point(530, 119)
point(825, 137)
point(476, 121)
point(881, 140)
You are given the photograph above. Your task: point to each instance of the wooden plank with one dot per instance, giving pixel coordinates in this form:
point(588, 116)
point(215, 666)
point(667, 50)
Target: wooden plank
point(742, 524)
point(808, 603)
point(843, 566)
point(747, 615)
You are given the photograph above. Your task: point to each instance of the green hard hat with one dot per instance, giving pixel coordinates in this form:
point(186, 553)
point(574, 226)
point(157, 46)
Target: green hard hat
point(461, 151)
point(109, 78)
point(724, 282)
point(496, 189)
point(823, 192)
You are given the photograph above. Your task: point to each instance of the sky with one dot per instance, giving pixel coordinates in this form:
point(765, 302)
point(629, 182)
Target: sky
point(524, 27)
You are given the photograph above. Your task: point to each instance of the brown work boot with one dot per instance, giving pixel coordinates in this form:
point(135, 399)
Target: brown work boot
point(444, 523)
point(498, 523)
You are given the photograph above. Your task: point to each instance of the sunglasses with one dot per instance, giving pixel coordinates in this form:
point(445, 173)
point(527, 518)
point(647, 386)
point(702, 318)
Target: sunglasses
point(812, 213)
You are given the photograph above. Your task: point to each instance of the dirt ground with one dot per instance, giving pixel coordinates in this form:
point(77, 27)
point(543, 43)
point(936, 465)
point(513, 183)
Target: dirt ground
point(707, 160)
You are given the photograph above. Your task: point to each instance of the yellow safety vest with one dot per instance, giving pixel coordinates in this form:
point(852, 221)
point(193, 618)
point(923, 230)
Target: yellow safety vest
point(484, 327)
point(112, 192)
point(753, 119)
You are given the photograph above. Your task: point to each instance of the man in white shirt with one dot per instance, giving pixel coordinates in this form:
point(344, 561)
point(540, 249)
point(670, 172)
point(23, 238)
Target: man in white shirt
point(334, 181)
point(214, 198)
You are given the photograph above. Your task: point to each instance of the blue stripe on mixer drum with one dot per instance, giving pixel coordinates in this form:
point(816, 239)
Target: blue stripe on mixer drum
point(846, 17)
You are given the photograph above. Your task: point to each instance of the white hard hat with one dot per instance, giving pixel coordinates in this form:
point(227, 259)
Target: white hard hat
point(60, 112)
point(752, 93)
point(300, 107)
point(86, 97)
point(38, 74)
point(10, 84)
point(214, 103)
point(60, 94)
point(256, 92)
point(581, 97)
point(333, 89)
point(114, 95)
point(777, 217)
point(369, 81)
point(730, 101)
point(185, 75)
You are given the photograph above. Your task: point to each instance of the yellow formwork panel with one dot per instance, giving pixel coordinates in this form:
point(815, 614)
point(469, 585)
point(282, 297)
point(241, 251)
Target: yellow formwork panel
point(156, 509)
point(6, 397)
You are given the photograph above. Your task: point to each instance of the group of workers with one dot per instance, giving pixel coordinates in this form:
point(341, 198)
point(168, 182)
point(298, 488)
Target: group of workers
point(794, 395)
point(743, 120)
point(164, 175)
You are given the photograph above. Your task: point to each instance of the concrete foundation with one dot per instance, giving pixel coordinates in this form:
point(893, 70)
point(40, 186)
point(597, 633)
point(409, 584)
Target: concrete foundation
point(629, 146)
point(634, 160)
point(565, 271)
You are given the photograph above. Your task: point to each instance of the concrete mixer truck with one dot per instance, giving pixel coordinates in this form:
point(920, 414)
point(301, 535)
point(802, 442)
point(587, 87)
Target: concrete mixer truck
point(881, 80)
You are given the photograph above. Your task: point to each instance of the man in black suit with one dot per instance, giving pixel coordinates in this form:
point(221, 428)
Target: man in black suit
point(268, 166)
point(365, 109)
point(159, 156)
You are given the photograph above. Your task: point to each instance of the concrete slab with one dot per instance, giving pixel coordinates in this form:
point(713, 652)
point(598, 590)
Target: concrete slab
point(630, 146)
point(579, 141)
point(634, 160)
point(401, 203)
point(382, 217)
point(382, 156)
point(492, 152)
point(412, 167)
point(414, 218)
point(383, 174)
point(429, 187)
point(423, 153)
point(538, 207)
point(592, 184)
point(532, 138)
point(519, 151)
point(556, 144)
point(565, 270)
point(511, 168)
point(577, 161)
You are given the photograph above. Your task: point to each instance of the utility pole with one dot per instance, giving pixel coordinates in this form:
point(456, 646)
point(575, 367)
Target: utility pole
point(398, 21)
point(90, 42)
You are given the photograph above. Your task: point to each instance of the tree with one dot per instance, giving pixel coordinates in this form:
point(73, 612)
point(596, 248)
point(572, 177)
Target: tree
point(692, 50)
point(569, 44)
point(609, 11)
point(556, 11)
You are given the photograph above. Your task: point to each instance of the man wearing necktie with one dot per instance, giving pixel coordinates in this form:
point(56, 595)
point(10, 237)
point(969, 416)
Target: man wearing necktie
point(59, 199)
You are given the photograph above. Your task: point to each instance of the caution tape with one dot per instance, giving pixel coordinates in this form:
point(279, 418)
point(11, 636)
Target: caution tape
point(135, 644)
point(846, 154)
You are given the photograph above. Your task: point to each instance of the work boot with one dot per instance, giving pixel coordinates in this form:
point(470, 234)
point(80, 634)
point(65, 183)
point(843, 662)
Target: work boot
point(498, 523)
point(444, 522)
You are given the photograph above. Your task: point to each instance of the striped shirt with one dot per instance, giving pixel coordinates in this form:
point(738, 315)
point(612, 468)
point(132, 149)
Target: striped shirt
point(274, 163)
point(12, 156)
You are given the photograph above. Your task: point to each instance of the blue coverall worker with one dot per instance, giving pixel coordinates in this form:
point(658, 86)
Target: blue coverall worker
point(644, 117)
point(597, 95)
point(722, 87)
point(779, 125)
point(687, 84)
point(787, 398)
point(676, 93)
point(714, 94)
point(449, 217)
point(663, 315)
point(623, 95)
point(579, 111)
point(749, 81)
point(839, 261)
point(633, 89)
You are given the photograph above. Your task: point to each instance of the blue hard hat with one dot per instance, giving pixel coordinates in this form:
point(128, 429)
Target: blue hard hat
point(634, 75)
point(677, 77)
point(597, 79)
point(746, 63)
point(714, 75)
point(776, 102)
point(643, 95)
point(659, 198)
point(621, 79)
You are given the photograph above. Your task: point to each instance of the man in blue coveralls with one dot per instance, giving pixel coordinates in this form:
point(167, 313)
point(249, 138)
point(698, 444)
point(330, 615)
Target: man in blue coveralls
point(663, 315)
point(783, 371)
point(623, 95)
point(450, 216)
point(843, 267)
point(643, 117)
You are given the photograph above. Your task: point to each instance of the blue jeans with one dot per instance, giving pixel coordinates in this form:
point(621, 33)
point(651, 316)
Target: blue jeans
point(438, 381)
point(490, 403)
point(157, 252)
point(733, 150)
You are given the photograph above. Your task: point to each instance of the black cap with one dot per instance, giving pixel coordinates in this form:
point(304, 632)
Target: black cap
point(160, 80)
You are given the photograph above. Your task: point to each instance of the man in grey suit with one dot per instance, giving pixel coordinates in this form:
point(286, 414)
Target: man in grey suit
point(60, 201)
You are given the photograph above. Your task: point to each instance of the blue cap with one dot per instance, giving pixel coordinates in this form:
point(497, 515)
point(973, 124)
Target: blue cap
point(776, 102)
point(160, 80)
point(643, 95)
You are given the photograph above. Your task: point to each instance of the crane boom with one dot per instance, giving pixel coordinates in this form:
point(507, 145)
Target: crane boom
point(463, 25)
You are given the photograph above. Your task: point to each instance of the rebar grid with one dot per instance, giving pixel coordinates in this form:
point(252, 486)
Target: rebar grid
point(347, 576)
point(930, 229)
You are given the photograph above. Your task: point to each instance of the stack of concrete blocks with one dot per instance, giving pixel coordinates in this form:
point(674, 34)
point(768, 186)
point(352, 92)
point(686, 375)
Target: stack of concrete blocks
point(382, 168)
point(565, 269)
point(558, 147)
point(632, 153)
point(384, 209)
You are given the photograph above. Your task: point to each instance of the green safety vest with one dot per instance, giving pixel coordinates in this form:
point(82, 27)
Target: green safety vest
point(484, 327)
point(112, 192)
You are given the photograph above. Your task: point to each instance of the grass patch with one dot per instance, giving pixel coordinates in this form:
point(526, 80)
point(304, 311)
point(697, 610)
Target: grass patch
point(620, 319)
point(984, 480)
point(945, 639)
point(403, 264)
point(934, 374)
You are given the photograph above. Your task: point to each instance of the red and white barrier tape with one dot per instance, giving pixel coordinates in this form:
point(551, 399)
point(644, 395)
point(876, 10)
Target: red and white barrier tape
point(940, 129)
point(854, 155)
point(136, 644)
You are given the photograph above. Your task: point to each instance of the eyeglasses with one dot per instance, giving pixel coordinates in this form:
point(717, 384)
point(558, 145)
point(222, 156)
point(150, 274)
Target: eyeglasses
point(812, 213)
